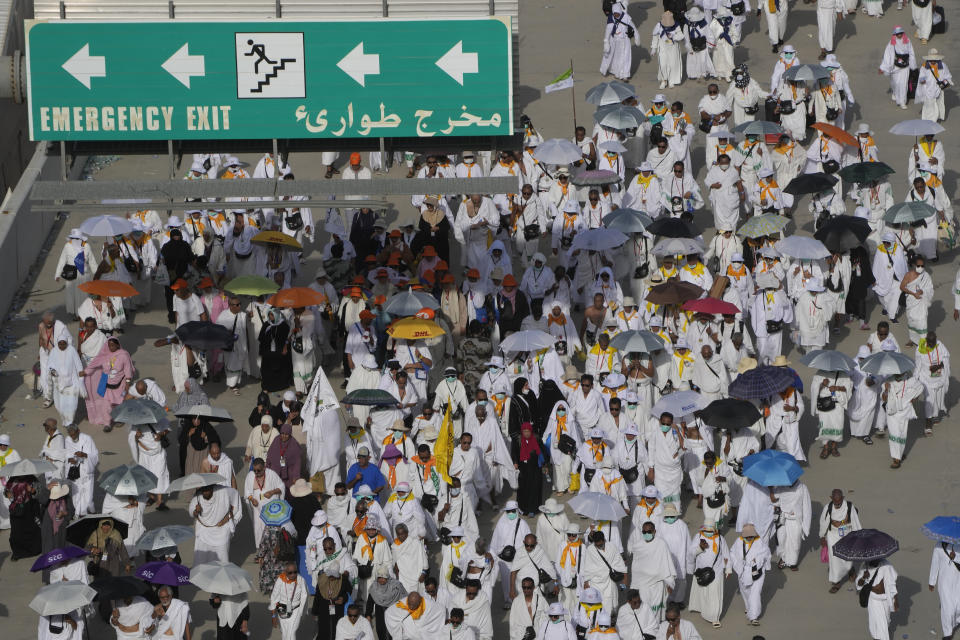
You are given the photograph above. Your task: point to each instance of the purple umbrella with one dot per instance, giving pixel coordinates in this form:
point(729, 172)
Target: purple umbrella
point(56, 556)
point(169, 573)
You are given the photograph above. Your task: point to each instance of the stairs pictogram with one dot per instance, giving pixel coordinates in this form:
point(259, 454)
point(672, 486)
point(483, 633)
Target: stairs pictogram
point(273, 74)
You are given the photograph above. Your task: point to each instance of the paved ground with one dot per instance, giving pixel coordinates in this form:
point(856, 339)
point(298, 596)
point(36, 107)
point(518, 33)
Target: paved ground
point(796, 604)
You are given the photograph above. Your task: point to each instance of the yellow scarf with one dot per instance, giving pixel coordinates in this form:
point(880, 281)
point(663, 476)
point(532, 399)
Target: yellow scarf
point(659, 112)
point(561, 426)
point(456, 546)
point(560, 320)
point(414, 613)
point(882, 247)
point(738, 273)
point(569, 550)
point(596, 351)
point(934, 181)
point(597, 449)
point(607, 485)
point(684, 358)
point(648, 508)
point(498, 405)
point(569, 220)
point(590, 608)
point(711, 538)
point(368, 549)
point(697, 270)
point(928, 147)
point(510, 167)
point(766, 190)
point(645, 181)
point(772, 6)
point(395, 498)
point(3, 457)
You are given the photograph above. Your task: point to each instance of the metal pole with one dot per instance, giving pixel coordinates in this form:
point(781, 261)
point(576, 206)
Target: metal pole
point(63, 161)
point(276, 165)
point(278, 10)
point(171, 10)
point(173, 162)
point(573, 96)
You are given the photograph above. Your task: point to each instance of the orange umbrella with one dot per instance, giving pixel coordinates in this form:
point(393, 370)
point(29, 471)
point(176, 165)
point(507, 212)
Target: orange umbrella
point(296, 297)
point(108, 289)
point(837, 134)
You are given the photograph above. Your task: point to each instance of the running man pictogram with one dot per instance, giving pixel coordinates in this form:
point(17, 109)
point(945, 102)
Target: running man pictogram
point(260, 51)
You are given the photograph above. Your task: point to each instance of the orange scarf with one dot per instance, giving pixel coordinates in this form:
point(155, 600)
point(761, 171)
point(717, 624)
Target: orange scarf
point(368, 549)
point(359, 524)
point(560, 320)
point(570, 550)
point(498, 405)
point(427, 467)
point(649, 509)
point(561, 426)
point(607, 485)
point(569, 220)
point(598, 450)
point(711, 538)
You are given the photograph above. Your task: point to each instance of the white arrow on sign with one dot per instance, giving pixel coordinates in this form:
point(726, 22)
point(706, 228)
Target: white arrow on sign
point(358, 65)
point(84, 66)
point(455, 63)
point(183, 66)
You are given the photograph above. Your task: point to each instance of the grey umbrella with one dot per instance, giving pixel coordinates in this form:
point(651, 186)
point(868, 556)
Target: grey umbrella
point(195, 481)
point(138, 411)
point(758, 128)
point(212, 414)
point(887, 363)
point(164, 537)
point(610, 93)
point(409, 302)
point(916, 128)
point(60, 598)
point(828, 360)
point(627, 220)
point(806, 73)
point(634, 341)
point(908, 212)
point(224, 578)
point(106, 226)
point(558, 151)
point(594, 177)
point(128, 480)
point(618, 116)
point(28, 467)
point(597, 507)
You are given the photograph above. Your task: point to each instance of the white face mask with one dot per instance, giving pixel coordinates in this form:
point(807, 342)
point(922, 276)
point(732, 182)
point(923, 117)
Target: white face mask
point(919, 269)
point(724, 167)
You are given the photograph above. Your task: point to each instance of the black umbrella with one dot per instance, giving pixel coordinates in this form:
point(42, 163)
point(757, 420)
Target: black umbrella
point(672, 228)
point(810, 183)
point(730, 413)
point(761, 382)
point(865, 545)
point(370, 398)
point(203, 336)
point(841, 233)
point(79, 532)
point(118, 587)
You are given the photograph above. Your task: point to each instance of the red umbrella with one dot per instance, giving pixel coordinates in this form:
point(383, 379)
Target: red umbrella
point(711, 306)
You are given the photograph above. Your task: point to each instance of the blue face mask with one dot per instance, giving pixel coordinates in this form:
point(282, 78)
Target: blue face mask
point(670, 519)
point(648, 537)
point(511, 515)
point(451, 379)
point(561, 412)
point(481, 402)
point(664, 428)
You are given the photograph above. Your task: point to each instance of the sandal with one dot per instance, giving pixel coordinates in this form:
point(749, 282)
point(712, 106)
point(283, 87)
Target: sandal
point(329, 173)
point(836, 450)
point(824, 454)
point(781, 564)
point(867, 440)
point(835, 588)
point(895, 464)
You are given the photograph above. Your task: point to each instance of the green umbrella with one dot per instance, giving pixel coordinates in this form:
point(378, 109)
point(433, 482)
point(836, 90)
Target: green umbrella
point(766, 225)
point(370, 398)
point(758, 128)
point(908, 212)
point(252, 286)
point(865, 171)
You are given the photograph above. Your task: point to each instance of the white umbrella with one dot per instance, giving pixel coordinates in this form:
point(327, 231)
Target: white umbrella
point(720, 133)
point(828, 360)
point(28, 467)
point(106, 226)
point(613, 92)
point(60, 598)
point(614, 146)
point(802, 248)
point(597, 506)
point(916, 128)
point(677, 247)
point(195, 481)
point(679, 403)
point(213, 414)
point(224, 578)
point(634, 341)
point(527, 340)
point(618, 116)
point(597, 240)
point(558, 151)
point(128, 480)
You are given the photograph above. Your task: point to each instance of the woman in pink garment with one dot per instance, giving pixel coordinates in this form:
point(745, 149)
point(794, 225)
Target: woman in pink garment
point(115, 362)
point(214, 301)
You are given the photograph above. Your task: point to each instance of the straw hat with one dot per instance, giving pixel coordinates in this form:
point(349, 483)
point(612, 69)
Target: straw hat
point(300, 488)
point(746, 364)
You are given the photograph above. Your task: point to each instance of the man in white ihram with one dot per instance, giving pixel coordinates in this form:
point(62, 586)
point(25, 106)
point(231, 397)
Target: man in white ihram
point(216, 512)
point(652, 573)
point(288, 601)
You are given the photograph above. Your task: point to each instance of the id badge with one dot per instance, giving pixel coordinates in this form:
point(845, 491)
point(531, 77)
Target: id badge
point(332, 610)
point(103, 558)
point(283, 461)
point(842, 531)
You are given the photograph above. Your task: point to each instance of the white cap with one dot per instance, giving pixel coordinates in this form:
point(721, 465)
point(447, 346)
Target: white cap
point(173, 221)
point(364, 489)
point(539, 256)
point(603, 619)
point(373, 522)
point(650, 491)
point(319, 518)
point(863, 127)
point(267, 420)
point(888, 345)
point(511, 505)
point(76, 234)
point(456, 532)
point(888, 236)
point(403, 486)
point(597, 433)
point(831, 61)
point(614, 380)
point(606, 463)
point(789, 49)
point(289, 396)
point(631, 397)
point(863, 351)
point(898, 29)
point(571, 206)
point(655, 321)
point(363, 451)
point(231, 161)
point(659, 98)
point(591, 595)
point(198, 166)
point(765, 172)
point(646, 166)
point(737, 257)
point(861, 212)
point(630, 430)
point(681, 343)
point(5, 439)
point(628, 301)
point(556, 609)
point(814, 285)
point(495, 361)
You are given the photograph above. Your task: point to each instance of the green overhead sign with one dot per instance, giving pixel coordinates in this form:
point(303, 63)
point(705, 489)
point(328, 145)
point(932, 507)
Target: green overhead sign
point(186, 80)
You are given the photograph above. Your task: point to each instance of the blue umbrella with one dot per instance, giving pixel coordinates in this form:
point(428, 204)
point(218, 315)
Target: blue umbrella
point(943, 529)
point(771, 468)
point(56, 556)
point(276, 512)
point(761, 382)
point(160, 572)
